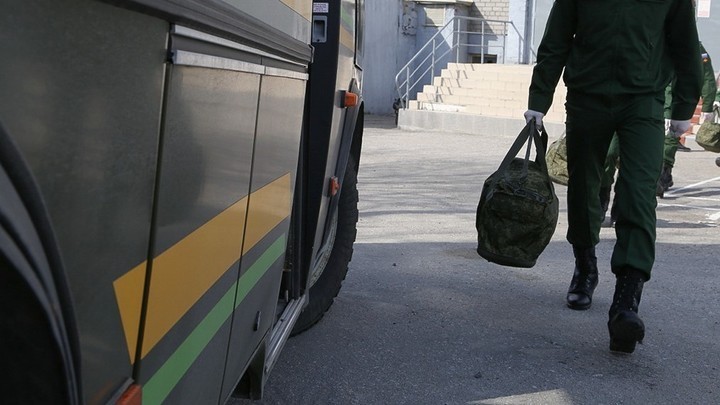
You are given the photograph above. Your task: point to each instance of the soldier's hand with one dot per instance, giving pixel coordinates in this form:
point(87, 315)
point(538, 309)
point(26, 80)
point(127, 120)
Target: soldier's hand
point(707, 116)
point(679, 127)
point(531, 115)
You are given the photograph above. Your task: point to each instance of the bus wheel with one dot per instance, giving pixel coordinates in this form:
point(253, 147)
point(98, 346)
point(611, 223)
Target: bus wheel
point(31, 358)
point(327, 286)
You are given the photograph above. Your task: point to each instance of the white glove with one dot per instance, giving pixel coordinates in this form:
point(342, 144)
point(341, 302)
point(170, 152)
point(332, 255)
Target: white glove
point(679, 127)
point(707, 116)
point(667, 125)
point(534, 115)
point(716, 104)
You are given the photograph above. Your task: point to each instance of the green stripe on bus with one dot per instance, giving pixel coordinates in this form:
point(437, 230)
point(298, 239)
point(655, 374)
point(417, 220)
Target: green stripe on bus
point(167, 377)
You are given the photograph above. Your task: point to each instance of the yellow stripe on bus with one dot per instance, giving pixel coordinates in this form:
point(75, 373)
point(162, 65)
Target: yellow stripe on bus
point(346, 39)
point(182, 274)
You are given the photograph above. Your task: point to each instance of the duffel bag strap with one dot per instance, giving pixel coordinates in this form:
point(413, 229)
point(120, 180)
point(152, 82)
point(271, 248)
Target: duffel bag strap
point(528, 134)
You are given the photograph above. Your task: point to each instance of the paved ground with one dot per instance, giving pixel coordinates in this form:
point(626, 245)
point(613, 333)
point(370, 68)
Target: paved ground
point(422, 319)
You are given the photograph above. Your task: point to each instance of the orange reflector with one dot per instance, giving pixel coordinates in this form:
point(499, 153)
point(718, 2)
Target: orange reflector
point(131, 396)
point(334, 186)
point(350, 99)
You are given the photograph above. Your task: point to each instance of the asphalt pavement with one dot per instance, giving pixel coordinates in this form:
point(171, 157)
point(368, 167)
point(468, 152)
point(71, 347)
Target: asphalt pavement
point(422, 319)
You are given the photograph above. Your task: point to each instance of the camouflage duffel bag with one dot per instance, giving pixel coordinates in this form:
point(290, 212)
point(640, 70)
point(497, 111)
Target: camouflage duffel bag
point(518, 208)
point(708, 135)
point(556, 159)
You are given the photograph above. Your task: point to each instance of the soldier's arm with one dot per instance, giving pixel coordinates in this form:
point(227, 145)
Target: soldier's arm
point(709, 89)
point(552, 54)
point(684, 49)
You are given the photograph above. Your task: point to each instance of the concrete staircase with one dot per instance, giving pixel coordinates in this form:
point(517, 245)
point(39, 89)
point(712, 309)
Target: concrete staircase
point(478, 98)
point(484, 99)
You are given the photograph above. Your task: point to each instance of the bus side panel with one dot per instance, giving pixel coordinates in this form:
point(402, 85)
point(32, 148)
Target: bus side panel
point(275, 160)
point(81, 94)
point(289, 16)
point(201, 211)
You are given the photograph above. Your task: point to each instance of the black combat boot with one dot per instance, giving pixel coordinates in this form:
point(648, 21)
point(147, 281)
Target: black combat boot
point(683, 148)
point(625, 326)
point(664, 182)
point(585, 279)
point(659, 190)
point(666, 177)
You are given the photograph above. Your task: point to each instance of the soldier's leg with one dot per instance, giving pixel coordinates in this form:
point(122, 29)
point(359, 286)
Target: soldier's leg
point(669, 150)
point(589, 128)
point(589, 131)
point(641, 156)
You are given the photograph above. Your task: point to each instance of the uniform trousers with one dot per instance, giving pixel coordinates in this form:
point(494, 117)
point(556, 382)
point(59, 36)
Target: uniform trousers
point(591, 122)
point(671, 147)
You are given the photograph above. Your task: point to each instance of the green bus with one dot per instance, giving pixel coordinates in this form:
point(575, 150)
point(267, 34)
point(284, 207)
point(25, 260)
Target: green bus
point(177, 191)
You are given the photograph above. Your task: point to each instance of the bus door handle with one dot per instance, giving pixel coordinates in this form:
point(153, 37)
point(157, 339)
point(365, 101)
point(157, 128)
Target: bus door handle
point(319, 29)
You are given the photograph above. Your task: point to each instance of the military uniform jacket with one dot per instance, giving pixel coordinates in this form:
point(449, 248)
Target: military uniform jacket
point(620, 47)
point(709, 87)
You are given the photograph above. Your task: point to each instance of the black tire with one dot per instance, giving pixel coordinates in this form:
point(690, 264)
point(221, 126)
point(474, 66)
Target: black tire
point(38, 334)
point(31, 358)
point(326, 288)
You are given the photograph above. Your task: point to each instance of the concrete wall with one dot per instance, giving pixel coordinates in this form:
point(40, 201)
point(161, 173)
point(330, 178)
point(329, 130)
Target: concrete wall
point(395, 31)
point(387, 49)
point(517, 49)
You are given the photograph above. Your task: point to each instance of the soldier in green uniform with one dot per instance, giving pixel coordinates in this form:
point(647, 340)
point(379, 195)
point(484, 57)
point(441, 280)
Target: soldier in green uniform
point(672, 141)
point(618, 56)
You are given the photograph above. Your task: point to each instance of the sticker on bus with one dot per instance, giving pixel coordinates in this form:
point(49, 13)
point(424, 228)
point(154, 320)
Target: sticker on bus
point(321, 8)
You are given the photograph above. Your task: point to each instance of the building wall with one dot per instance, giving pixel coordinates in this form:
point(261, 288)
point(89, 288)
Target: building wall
point(491, 10)
point(389, 44)
point(396, 30)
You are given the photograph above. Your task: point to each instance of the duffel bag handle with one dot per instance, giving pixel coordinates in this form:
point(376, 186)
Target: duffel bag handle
point(528, 134)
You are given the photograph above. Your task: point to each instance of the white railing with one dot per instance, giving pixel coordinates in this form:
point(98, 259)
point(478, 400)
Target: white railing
point(454, 40)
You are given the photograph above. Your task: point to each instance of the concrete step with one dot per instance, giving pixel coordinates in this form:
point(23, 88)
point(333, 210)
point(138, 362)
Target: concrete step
point(504, 98)
point(496, 109)
point(461, 122)
point(490, 67)
point(442, 107)
point(512, 112)
point(474, 92)
point(484, 84)
point(507, 77)
point(486, 90)
point(456, 99)
point(413, 105)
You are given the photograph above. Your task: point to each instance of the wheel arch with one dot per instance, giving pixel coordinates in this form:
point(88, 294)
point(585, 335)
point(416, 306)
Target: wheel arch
point(35, 283)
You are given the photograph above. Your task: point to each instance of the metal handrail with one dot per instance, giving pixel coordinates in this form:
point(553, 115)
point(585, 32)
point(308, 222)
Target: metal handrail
point(430, 53)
